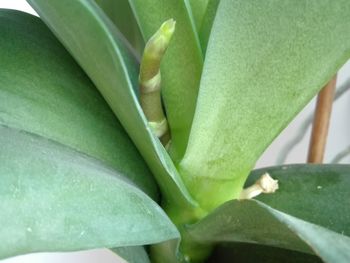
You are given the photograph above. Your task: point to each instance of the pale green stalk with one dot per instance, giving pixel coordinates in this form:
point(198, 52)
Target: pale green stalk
point(150, 80)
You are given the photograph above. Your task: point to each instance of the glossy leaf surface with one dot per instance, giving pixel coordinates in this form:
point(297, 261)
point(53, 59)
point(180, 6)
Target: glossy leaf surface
point(96, 45)
point(181, 67)
point(317, 194)
point(53, 198)
point(265, 60)
point(44, 91)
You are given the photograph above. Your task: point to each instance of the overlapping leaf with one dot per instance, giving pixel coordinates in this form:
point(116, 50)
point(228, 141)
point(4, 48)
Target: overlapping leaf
point(53, 198)
point(68, 170)
point(95, 43)
point(121, 15)
point(265, 60)
point(315, 193)
point(181, 67)
point(44, 91)
point(207, 23)
point(198, 9)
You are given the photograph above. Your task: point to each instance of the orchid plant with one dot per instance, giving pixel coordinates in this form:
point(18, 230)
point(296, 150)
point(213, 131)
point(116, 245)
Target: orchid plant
point(134, 125)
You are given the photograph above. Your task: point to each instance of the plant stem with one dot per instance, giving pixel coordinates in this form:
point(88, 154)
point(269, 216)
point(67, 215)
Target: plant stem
point(321, 123)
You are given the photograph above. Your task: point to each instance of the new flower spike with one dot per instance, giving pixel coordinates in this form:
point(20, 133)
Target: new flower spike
point(150, 80)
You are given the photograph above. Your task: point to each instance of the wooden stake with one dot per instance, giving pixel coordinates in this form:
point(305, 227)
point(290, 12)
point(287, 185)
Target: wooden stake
point(321, 122)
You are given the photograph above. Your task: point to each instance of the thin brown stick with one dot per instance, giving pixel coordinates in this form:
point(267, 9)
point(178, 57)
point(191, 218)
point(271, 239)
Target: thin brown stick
point(321, 122)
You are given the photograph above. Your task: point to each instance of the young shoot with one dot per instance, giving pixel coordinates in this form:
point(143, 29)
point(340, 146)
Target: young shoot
point(150, 80)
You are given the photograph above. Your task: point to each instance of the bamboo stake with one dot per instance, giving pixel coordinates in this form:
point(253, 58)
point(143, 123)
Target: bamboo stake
point(321, 123)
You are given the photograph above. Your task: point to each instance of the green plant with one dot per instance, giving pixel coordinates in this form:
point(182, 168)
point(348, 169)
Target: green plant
point(80, 170)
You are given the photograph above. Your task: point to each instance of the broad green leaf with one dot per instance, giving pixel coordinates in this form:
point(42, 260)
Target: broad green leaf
point(181, 67)
point(252, 253)
point(208, 20)
point(265, 60)
point(251, 221)
point(133, 254)
point(53, 198)
point(95, 43)
point(121, 15)
point(315, 193)
point(44, 91)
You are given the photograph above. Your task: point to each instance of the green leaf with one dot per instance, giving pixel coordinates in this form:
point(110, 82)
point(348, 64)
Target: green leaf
point(132, 254)
point(181, 67)
point(317, 194)
point(252, 253)
point(203, 13)
point(95, 43)
point(265, 60)
point(44, 91)
point(54, 198)
point(251, 221)
point(121, 15)
point(208, 20)
point(198, 10)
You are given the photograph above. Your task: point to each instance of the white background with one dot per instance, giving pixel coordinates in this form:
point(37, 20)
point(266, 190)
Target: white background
point(338, 139)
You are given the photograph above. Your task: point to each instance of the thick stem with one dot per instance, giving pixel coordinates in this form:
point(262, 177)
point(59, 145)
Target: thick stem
point(321, 123)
